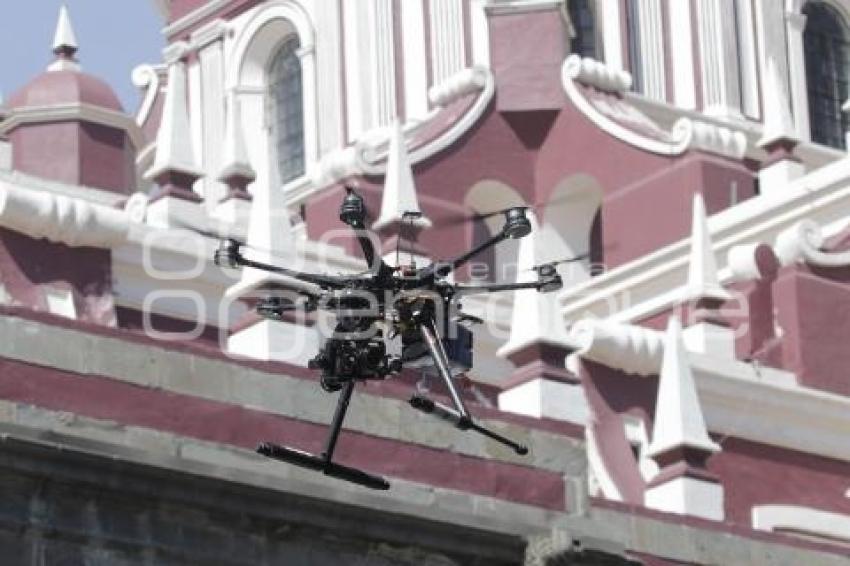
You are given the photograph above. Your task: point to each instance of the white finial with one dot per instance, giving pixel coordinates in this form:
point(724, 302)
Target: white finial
point(64, 44)
point(703, 282)
point(399, 188)
point(778, 123)
point(679, 421)
point(236, 162)
point(174, 150)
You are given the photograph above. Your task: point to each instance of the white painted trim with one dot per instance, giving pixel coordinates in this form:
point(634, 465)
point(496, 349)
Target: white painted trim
point(805, 520)
point(500, 7)
point(70, 112)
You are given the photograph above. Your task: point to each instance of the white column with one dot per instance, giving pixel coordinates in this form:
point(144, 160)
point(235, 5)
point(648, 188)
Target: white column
point(357, 71)
point(771, 42)
point(415, 59)
point(682, 55)
point(718, 55)
point(329, 76)
point(382, 60)
point(747, 59)
point(196, 124)
point(652, 49)
point(307, 55)
point(447, 41)
point(212, 119)
point(796, 24)
point(612, 30)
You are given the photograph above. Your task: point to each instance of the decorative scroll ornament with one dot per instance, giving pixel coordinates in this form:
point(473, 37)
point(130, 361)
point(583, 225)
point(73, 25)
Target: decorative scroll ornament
point(613, 114)
point(147, 77)
point(803, 242)
point(368, 155)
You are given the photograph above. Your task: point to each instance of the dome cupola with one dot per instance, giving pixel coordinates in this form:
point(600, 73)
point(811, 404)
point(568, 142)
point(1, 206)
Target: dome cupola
point(69, 126)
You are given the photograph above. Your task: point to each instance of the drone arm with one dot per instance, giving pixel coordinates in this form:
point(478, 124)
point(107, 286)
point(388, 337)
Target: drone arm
point(495, 288)
point(324, 281)
point(444, 268)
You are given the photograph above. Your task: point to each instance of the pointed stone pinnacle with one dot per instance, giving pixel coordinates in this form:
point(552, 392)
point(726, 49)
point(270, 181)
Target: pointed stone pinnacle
point(679, 420)
point(703, 282)
point(64, 39)
point(399, 187)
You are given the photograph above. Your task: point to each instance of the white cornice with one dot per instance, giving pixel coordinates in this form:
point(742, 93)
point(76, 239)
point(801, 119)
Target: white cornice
point(69, 112)
point(648, 285)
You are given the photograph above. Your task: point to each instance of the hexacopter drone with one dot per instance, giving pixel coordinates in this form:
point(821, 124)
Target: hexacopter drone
point(386, 320)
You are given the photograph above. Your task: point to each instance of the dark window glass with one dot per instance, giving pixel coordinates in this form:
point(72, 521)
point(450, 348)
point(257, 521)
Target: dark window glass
point(287, 112)
point(826, 48)
point(633, 38)
point(583, 17)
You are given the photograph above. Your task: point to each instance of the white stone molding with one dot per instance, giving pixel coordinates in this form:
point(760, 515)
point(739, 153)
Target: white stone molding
point(686, 134)
point(596, 74)
point(687, 496)
point(174, 143)
point(62, 219)
point(210, 32)
point(803, 242)
point(802, 520)
point(462, 83)
point(399, 195)
point(626, 347)
point(520, 6)
point(679, 420)
point(743, 263)
point(368, 155)
point(716, 139)
point(147, 78)
point(703, 282)
point(175, 51)
point(76, 111)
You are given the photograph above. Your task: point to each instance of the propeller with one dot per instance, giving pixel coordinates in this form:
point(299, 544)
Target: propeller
point(549, 266)
point(457, 218)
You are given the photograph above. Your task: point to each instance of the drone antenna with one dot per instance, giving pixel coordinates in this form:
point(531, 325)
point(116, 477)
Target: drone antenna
point(409, 216)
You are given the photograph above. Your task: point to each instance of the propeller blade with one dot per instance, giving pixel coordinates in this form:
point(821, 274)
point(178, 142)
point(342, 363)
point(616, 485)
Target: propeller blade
point(555, 263)
point(457, 218)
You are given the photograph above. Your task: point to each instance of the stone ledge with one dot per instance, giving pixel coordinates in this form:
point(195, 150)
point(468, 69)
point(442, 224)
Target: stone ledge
point(178, 371)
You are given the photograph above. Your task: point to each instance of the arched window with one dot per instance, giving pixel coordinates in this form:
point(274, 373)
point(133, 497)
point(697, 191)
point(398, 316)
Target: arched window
point(826, 48)
point(583, 18)
point(287, 110)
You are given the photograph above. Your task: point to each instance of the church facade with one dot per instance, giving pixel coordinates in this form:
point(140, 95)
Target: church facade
point(684, 396)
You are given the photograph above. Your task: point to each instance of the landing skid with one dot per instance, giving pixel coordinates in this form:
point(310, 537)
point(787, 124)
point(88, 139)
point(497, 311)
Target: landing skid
point(458, 416)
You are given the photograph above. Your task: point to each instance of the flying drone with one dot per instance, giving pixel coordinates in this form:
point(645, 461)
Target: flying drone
point(386, 320)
